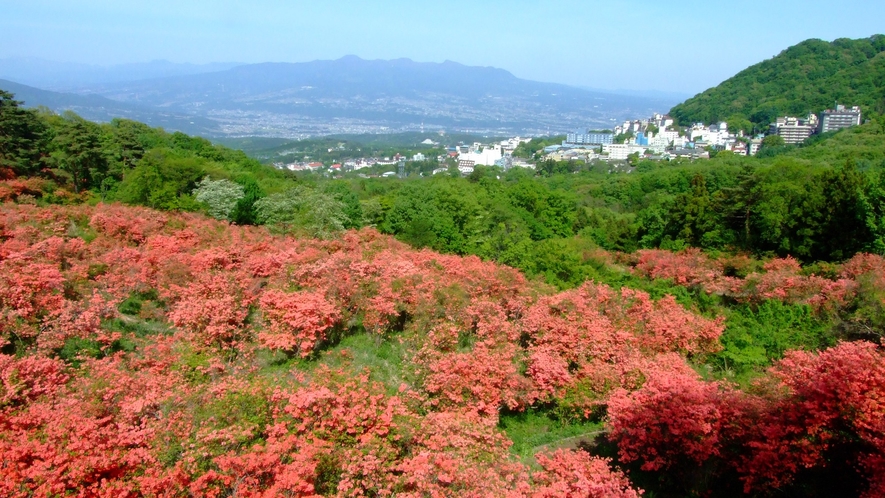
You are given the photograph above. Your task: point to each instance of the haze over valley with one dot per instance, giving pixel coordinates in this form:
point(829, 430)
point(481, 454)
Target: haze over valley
point(347, 95)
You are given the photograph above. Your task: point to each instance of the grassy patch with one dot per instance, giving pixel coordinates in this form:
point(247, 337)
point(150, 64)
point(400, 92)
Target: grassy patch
point(77, 348)
point(383, 357)
point(536, 430)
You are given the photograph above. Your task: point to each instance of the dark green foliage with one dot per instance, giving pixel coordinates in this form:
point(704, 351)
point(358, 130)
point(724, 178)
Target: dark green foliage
point(125, 143)
point(77, 152)
point(244, 211)
point(841, 214)
point(353, 210)
point(695, 218)
point(23, 137)
point(76, 349)
point(808, 77)
point(132, 305)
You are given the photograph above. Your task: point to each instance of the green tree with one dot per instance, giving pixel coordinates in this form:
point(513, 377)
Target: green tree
point(773, 141)
point(737, 123)
point(163, 180)
point(24, 137)
point(695, 218)
point(353, 210)
point(302, 210)
point(77, 151)
point(244, 212)
point(843, 215)
point(739, 205)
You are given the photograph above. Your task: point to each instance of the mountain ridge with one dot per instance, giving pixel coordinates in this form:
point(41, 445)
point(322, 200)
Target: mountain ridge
point(354, 95)
point(98, 108)
point(68, 76)
point(807, 77)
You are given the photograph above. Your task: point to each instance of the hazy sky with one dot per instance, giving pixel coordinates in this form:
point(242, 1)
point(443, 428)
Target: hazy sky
point(682, 47)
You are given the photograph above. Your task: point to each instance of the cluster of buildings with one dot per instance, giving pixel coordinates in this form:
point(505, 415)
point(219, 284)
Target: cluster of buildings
point(349, 165)
point(795, 130)
point(654, 138)
point(658, 138)
point(495, 154)
point(466, 156)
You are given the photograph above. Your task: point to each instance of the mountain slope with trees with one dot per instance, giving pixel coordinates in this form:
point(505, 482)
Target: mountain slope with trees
point(808, 77)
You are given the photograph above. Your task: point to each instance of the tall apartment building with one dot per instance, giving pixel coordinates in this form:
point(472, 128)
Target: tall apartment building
point(794, 130)
point(838, 118)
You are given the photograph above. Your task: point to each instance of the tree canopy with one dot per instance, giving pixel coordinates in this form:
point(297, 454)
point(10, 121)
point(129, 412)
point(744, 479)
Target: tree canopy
point(808, 77)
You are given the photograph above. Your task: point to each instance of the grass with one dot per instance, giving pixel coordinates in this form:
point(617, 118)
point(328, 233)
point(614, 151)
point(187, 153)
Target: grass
point(382, 357)
point(536, 430)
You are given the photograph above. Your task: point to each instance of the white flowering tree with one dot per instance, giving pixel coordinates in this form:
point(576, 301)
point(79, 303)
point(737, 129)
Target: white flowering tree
point(220, 196)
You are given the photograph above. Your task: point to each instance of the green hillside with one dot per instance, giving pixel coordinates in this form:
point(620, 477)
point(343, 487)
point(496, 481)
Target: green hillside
point(807, 77)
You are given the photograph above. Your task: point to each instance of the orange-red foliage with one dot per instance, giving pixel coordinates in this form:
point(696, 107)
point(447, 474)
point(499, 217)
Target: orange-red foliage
point(193, 405)
point(188, 409)
point(781, 279)
point(812, 406)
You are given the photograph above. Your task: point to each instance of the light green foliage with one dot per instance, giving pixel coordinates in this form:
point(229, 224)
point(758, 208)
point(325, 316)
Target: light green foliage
point(162, 180)
point(756, 335)
point(773, 141)
point(535, 146)
point(221, 197)
point(534, 431)
point(623, 137)
point(303, 209)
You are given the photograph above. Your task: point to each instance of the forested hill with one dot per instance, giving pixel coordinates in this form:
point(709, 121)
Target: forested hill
point(807, 77)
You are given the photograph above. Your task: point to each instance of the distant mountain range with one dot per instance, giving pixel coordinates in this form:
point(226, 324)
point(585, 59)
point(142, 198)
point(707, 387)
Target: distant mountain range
point(97, 108)
point(71, 76)
point(348, 95)
point(808, 77)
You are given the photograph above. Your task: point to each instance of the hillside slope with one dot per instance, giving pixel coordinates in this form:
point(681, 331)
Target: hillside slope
point(157, 354)
point(807, 77)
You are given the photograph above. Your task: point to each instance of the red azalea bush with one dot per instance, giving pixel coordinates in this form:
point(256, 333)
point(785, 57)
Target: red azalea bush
point(297, 321)
point(815, 412)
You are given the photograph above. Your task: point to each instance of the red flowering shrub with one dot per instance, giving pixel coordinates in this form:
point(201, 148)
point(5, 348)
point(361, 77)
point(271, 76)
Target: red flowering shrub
point(588, 341)
point(834, 399)
point(197, 405)
point(671, 419)
point(26, 379)
point(689, 268)
point(214, 308)
point(296, 321)
point(12, 188)
point(128, 224)
point(29, 294)
point(460, 454)
point(571, 473)
point(815, 413)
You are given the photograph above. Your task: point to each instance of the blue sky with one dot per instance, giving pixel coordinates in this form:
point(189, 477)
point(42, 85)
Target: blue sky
point(682, 47)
